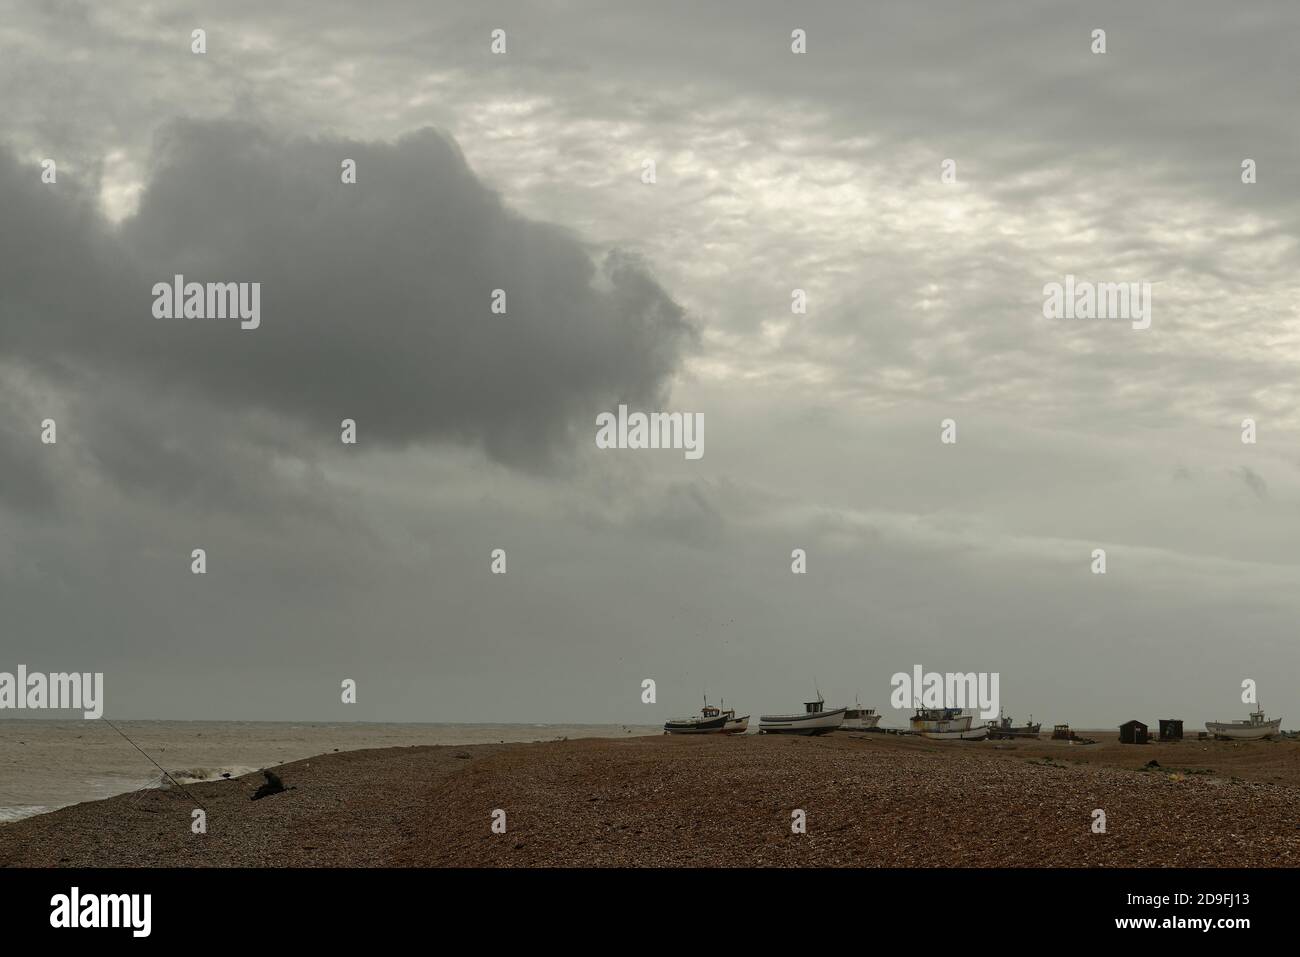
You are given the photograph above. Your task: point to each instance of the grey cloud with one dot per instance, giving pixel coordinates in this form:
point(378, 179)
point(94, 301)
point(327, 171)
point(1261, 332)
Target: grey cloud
point(375, 296)
point(27, 467)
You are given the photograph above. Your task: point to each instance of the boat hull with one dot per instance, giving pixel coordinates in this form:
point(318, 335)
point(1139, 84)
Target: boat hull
point(818, 722)
point(865, 723)
point(1031, 731)
point(956, 734)
point(1244, 732)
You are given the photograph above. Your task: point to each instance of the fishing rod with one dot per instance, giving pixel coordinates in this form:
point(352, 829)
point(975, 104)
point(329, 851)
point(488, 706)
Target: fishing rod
point(166, 773)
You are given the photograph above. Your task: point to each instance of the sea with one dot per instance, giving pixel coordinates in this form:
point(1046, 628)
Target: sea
point(45, 765)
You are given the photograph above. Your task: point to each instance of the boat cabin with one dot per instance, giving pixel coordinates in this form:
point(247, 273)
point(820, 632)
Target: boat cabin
point(812, 707)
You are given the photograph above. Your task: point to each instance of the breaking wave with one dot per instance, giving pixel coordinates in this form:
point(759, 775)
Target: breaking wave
point(18, 812)
point(199, 775)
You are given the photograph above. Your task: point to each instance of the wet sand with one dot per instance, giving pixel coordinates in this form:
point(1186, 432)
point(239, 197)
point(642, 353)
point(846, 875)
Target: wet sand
point(869, 800)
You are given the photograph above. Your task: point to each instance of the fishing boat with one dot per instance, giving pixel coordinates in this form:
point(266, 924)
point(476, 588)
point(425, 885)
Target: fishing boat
point(711, 721)
point(1256, 727)
point(1003, 728)
point(859, 718)
point(734, 725)
point(946, 724)
point(815, 720)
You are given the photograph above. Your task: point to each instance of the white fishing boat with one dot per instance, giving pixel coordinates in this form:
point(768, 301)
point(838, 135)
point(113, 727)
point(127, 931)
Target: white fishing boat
point(815, 720)
point(735, 725)
point(859, 718)
point(1257, 727)
point(946, 724)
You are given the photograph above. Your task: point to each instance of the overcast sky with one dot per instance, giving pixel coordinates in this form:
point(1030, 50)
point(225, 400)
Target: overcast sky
point(775, 171)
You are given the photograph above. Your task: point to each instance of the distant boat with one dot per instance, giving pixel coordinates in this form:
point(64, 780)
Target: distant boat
point(814, 720)
point(1253, 729)
point(735, 725)
point(946, 724)
point(711, 721)
point(1003, 728)
point(859, 718)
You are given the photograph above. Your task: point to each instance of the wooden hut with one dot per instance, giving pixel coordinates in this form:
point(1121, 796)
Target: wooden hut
point(1171, 729)
point(1133, 732)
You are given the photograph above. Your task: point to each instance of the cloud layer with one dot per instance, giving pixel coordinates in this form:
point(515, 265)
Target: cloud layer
point(775, 172)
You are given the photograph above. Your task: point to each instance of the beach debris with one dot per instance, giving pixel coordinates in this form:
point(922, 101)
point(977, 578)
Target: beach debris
point(1153, 763)
point(273, 785)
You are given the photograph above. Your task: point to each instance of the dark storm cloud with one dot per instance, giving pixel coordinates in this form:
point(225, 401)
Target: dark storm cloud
point(375, 296)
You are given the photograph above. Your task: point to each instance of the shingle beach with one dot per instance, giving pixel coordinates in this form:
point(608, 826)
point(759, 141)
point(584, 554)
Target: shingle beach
point(869, 800)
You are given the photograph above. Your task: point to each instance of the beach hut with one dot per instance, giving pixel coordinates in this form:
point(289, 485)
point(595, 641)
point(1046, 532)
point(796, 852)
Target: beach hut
point(1171, 729)
point(1133, 732)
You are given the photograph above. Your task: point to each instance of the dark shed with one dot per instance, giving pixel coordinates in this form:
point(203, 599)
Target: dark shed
point(1171, 729)
point(1133, 732)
